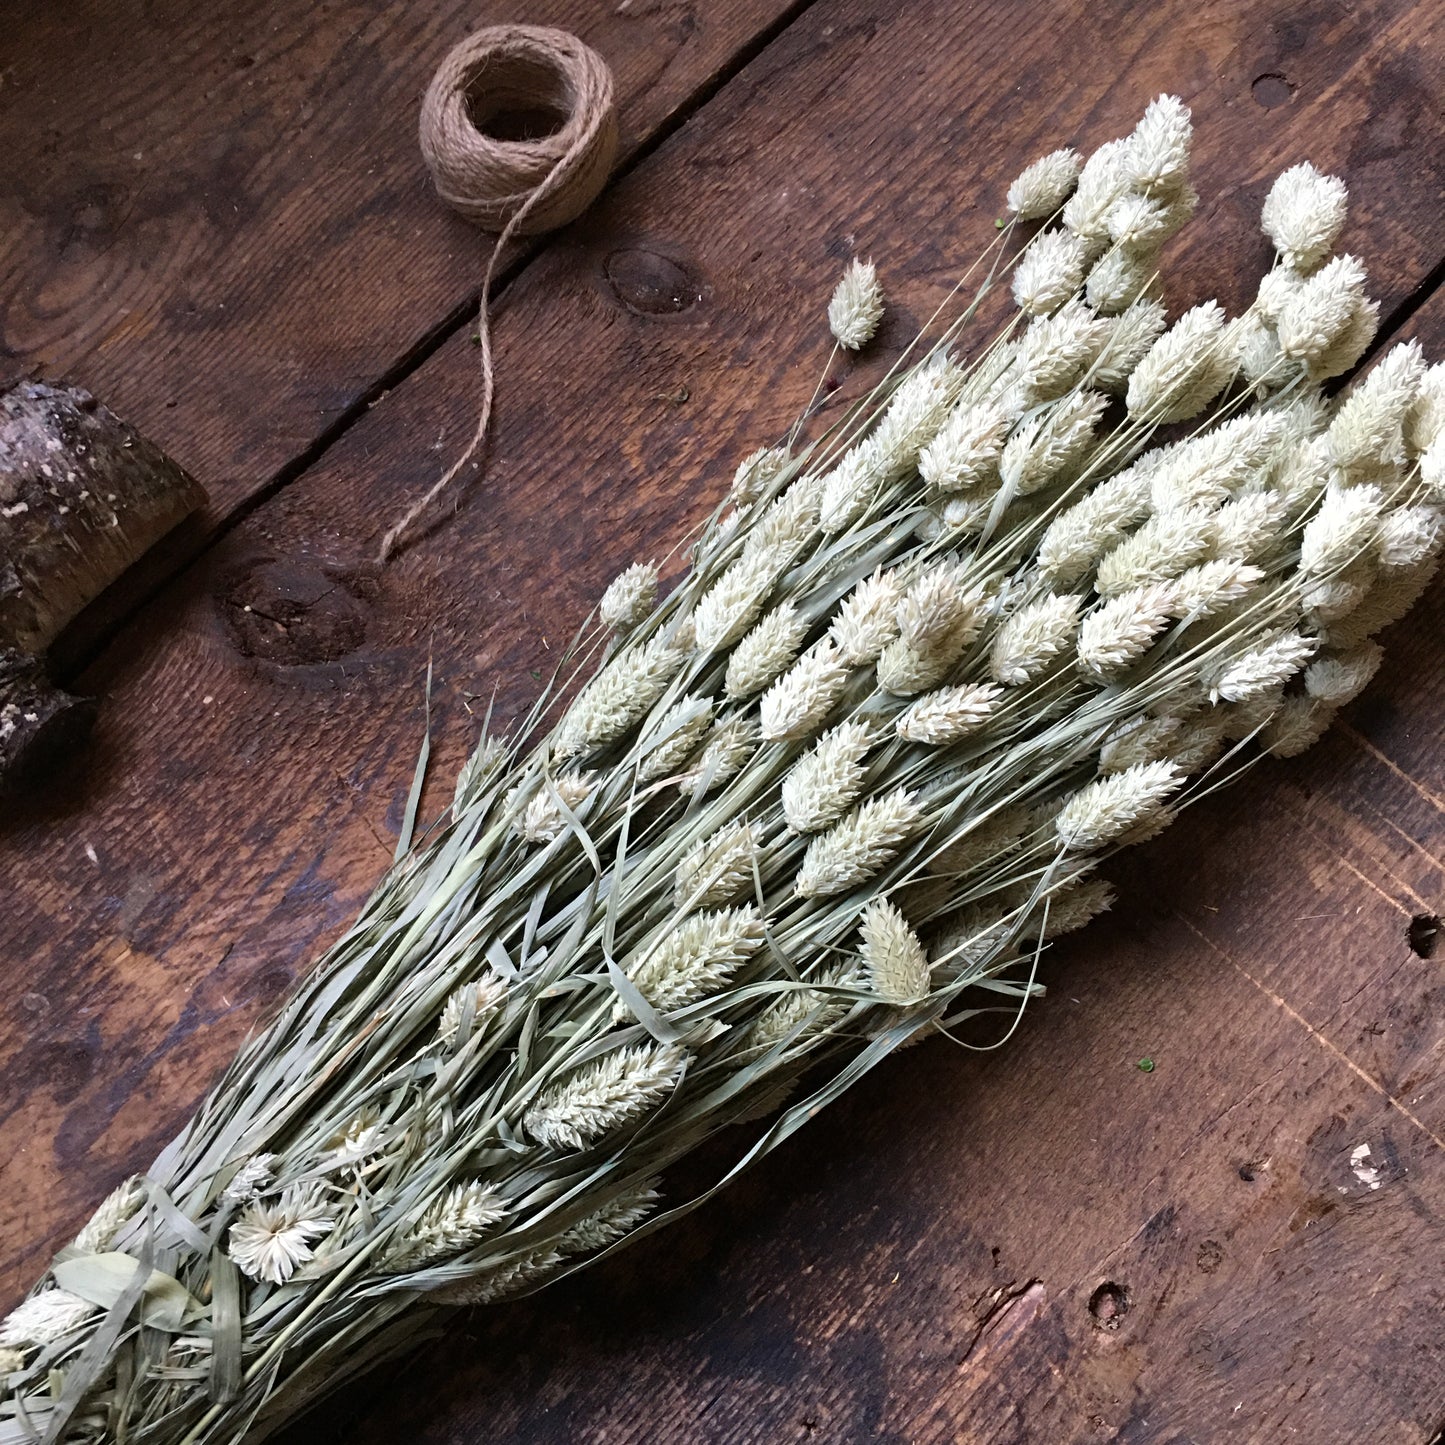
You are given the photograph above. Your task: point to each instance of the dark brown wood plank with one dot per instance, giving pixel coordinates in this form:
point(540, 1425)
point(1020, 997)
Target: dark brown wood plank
point(243, 798)
point(216, 217)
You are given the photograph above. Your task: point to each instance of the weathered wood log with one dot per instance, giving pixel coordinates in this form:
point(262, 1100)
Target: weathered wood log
point(82, 496)
point(39, 724)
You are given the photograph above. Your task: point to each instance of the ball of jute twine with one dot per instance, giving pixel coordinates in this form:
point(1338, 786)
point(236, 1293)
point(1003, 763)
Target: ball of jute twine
point(513, 187)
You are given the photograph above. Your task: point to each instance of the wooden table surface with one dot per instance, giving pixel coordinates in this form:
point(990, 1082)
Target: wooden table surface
point(216, 217)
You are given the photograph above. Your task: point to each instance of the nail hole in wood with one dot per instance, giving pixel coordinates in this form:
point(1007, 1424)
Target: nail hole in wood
point(1109, 1304)
point(1423, 934)
point(1272, 90)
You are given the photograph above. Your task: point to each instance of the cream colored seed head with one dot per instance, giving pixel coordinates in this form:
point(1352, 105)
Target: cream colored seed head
point(986, 841)
point(693, 959)
point(851, 486)
point(1207, 469)
point(930, 610)
point(914, 415)
point(1408, 536)
point(718, 868)
point(1325, 601)
point(1141, 225)
point(619, 695)
point(1341, 677)
point(1049, 272)
point(1117, 634)
point(1079, 536)
point(1368, 428)
point(1045, 448)
point(1119, 280)
point(1389, 600)
point(629, 597)
point(1298, 724)
point(1249, 528)
point(1131, 334)
point(854, 850)
point(1156, 161)
point(1140, 739)
point(1070, 908)
point(1101, 183)
point(724, 752)
point(788, 522)
point(452, 1225)
point(1056, 350)
point(966, 452)
point(616, 1219)
point(729, 607)
point(1350, 343)
point(1032, 637)
point(469, 1008)
point(674, 737)
point(604, 1095)
point(1316, 315)
point(798, 702)
point(1432, 468)
point(857, 306)
point(868, 619)
point(1342, 528)
point(1167, 544)
point(1262, 669)
point(1184, 370)
point(756, 473)
point(1210, 587)
point(44, 1318)
point(1101, 811)
point(1303, 215)
point(825, 782)
point(1276, 292)
point(766, 651)
point(1044, 186)
point(544, 818)
point(948, 715)
point(893, 957)
point(1426, 421)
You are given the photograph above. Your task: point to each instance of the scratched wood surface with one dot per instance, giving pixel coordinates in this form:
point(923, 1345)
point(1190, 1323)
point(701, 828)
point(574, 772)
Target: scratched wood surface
point(1041, 1244)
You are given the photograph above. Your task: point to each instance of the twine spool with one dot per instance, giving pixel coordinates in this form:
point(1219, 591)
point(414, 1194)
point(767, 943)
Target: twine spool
point(540, 184)
point(513, 187)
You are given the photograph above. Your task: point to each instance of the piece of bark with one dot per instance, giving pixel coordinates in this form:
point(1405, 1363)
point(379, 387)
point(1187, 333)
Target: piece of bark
point(82, 495)
point(39, 724)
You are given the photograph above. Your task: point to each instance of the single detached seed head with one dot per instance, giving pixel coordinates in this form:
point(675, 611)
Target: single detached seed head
point(857, 306)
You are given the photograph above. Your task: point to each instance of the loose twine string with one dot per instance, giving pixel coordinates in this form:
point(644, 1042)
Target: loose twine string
point(512, 187)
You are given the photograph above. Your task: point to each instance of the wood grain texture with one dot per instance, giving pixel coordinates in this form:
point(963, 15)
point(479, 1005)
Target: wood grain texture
point(222, 224)
point(921, 1264)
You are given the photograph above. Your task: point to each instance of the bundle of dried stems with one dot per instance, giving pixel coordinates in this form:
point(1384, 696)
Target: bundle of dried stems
point(837, 789)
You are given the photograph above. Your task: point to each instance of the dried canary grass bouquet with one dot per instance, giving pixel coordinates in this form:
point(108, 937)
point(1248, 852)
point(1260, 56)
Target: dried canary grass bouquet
point(837, 790)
